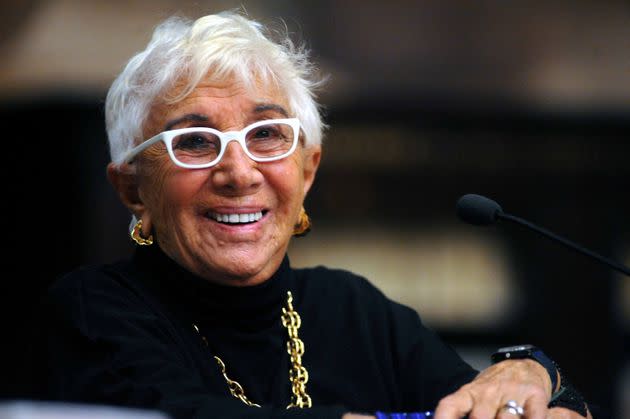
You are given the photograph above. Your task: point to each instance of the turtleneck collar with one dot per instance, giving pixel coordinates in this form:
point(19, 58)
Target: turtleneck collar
point(245, 308)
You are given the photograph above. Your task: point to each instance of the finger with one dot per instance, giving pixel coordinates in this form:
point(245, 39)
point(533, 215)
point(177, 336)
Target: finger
point(536, 405)
point(512, 409)
point(487, 401)
point(486, 405)
point(455, 405)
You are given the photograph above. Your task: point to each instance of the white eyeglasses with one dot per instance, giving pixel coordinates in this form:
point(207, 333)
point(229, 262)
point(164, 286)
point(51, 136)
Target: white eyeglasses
point(199, 147)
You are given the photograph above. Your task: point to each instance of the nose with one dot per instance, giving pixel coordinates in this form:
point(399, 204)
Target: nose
point(236, 173)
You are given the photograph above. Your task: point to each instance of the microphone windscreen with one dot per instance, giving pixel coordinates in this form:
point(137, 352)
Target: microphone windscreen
point(477, 209)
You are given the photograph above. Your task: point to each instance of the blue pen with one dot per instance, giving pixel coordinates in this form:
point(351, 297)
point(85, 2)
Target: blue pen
point(404, 415)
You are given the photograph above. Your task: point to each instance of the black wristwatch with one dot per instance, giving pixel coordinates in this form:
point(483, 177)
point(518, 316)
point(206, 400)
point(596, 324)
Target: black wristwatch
point(566, 396)
point(529, 352)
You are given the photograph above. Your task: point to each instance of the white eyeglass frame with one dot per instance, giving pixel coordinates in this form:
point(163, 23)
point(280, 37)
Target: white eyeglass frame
point(224, 137)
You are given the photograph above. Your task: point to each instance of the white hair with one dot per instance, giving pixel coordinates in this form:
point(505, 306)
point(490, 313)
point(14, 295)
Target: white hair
point(220, 46)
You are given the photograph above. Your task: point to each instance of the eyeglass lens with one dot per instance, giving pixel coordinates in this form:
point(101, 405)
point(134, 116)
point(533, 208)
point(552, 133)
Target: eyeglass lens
point(200, 147)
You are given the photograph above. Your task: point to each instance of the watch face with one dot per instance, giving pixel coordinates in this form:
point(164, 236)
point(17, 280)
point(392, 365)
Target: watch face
point(517, 348)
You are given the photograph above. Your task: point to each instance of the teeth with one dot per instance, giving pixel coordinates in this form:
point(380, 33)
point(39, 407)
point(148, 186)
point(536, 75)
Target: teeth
point(236, 218)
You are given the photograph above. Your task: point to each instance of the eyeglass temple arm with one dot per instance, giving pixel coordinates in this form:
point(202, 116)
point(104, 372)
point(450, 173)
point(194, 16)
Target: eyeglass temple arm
point(128, 158)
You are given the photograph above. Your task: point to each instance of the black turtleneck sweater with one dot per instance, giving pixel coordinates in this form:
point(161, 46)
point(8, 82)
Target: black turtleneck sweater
point(122, 334)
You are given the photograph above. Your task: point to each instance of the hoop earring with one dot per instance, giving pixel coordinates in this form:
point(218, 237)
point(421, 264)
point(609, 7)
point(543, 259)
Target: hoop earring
point(303, 226)
point(137, 237)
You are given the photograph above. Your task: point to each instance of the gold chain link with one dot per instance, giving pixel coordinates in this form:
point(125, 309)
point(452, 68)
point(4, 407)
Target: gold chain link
point(298, 376)
point(235, 388)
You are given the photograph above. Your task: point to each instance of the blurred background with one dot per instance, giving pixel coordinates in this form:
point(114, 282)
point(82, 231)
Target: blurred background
point(526, 102)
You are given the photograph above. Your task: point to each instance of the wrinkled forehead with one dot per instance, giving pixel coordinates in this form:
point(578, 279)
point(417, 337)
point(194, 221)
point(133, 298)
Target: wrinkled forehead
point(220, 100)
point(250, 82)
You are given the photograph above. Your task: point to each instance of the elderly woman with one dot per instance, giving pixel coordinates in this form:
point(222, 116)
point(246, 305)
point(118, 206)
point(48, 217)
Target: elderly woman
point(215, 140)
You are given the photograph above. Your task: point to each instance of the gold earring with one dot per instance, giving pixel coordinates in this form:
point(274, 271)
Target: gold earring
point(137, 237)
point(303, 226)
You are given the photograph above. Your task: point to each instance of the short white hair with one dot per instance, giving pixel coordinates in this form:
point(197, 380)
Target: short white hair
point(221, 46)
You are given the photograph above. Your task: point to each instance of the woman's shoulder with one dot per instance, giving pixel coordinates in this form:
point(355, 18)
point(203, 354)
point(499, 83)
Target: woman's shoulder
point(324, 274)
point(92, 297)
point(338, 282)
point(93, 280)
point(342, 287)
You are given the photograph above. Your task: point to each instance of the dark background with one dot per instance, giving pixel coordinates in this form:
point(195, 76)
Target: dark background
point(466, 80)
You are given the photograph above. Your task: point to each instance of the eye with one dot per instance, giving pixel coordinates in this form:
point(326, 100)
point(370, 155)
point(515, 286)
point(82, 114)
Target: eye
point(196, 142)
point(270, 140)
point(266, 132)
point(190, 141)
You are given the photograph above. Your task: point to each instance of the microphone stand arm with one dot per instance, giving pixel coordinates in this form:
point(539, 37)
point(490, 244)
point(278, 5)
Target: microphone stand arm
point(570, 244)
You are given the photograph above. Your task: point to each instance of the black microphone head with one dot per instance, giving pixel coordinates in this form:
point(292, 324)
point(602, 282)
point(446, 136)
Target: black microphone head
point(478, 210)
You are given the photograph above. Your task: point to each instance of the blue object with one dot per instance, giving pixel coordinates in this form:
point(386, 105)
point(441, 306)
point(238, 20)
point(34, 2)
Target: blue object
point(404, 415)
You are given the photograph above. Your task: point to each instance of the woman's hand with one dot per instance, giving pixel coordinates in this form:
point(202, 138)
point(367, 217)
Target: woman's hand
point(526, 382)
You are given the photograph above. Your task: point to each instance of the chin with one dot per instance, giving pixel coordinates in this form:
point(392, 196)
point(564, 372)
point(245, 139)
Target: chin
point(236, 263)
point(243, 270)
point(243, 278)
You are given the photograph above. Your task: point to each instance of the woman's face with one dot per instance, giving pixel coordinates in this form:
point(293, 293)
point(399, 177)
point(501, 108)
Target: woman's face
point(179, 206)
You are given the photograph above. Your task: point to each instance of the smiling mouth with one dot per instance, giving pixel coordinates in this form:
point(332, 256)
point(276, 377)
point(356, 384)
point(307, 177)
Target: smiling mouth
point(247, 218)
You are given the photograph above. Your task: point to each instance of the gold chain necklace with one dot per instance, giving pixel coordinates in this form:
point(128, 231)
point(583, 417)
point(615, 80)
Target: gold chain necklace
point(298, 376)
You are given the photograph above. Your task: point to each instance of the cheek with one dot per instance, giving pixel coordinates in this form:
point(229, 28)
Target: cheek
point(287, 182)
point(167, 187)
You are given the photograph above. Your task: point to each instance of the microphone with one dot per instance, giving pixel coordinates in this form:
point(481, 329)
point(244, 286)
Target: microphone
point(479, 210)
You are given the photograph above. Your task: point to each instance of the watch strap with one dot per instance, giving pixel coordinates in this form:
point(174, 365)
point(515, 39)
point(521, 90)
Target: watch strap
point(569, 398)
point(550, 366)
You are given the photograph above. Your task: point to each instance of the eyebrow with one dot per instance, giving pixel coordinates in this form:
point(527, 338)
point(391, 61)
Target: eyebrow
point(191, 117)
point(271, 107)
point(195, 117)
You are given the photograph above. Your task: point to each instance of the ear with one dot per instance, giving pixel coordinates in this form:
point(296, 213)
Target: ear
point(312, 157)
point(125, 182)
